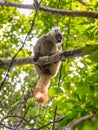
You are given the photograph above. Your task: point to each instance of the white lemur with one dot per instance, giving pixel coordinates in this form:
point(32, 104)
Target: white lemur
point(46, 45)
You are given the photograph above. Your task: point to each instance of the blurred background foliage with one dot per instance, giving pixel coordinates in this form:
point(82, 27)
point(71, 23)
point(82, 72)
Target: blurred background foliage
point(74, 91)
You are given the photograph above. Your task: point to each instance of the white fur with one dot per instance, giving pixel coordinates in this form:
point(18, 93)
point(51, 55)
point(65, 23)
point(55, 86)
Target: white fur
point(56, 28)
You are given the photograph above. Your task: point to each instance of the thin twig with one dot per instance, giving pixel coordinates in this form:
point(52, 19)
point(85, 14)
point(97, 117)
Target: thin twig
point(20, 123)
point(11, 63)
point(83, 3)
point(57, 16)
point(50, 123)
point(55, 113)
point(6, 126)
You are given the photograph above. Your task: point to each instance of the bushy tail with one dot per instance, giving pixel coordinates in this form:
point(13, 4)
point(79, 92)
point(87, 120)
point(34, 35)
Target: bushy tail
point(41, 89)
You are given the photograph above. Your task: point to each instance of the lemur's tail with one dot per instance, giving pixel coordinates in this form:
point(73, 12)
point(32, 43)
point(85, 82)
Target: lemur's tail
point(41, 89)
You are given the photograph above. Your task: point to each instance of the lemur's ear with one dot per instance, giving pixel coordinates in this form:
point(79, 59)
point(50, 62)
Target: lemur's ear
point(56, 28)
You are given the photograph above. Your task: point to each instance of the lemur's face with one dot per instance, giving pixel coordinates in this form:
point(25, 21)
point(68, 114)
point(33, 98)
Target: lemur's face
point(58, 38)
point(57, 35)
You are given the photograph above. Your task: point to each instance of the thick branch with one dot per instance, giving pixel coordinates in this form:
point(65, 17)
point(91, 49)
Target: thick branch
point(53, 11)
point(78, 121)
point(45, 60)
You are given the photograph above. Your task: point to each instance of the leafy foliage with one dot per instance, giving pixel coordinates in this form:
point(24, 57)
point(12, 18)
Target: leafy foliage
point(74, 91)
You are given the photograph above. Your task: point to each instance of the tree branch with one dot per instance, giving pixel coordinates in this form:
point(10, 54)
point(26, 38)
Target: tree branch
point(82, 119)
point(78, 121)
point(50, 123)
point(55, 113)
point(45, 60)
point(52, 10)
point(83, 3)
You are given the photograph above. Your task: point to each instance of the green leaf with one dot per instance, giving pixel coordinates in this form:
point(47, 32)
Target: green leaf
point(94, 56)
point(55, 91)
